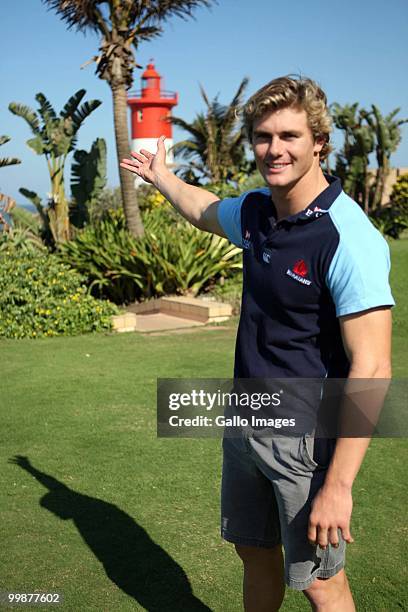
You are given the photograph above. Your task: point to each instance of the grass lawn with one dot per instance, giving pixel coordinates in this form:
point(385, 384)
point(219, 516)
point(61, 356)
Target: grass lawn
point(116, 519)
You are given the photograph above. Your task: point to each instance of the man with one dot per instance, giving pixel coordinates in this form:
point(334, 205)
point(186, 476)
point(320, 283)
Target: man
point(316, 304)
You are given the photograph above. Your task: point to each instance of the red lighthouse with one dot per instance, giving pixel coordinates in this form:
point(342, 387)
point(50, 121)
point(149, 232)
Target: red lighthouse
point(151, 108)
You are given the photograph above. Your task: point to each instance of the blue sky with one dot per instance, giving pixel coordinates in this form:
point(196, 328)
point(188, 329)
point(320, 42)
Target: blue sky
point(357, 50)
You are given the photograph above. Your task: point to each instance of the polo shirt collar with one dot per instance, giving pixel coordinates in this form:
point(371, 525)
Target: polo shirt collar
point(320, 205)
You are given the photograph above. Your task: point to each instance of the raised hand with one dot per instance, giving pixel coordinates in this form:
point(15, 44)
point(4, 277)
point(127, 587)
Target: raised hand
point(20, 460)
point(147, 165)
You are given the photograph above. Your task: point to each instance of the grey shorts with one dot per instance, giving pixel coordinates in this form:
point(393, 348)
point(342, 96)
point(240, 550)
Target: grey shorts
point(268, 485)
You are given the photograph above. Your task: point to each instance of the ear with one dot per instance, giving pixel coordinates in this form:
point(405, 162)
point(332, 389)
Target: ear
point(319, 144)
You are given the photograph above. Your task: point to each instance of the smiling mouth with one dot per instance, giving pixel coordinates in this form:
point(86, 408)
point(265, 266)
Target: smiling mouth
point(277, 166)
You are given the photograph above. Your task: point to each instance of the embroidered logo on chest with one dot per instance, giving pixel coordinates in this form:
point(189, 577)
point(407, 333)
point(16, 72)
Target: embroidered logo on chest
point(299, 272)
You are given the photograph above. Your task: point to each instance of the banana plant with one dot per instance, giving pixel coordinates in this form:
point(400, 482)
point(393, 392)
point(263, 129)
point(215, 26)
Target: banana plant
point(88, 179)
point(55, 136)
point(6, 202)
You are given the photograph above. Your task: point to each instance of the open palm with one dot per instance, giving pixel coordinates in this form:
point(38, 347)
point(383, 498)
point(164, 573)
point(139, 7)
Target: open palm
point(145, 164)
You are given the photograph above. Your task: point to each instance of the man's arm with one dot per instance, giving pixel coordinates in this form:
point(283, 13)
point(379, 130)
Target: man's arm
point(195, 204)
point(367, 342)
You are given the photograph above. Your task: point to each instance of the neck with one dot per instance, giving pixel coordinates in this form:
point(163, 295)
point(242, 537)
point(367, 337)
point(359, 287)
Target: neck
point(292, 199)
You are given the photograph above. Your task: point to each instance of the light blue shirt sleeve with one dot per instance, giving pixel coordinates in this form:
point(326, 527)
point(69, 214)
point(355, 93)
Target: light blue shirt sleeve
point(229, 217)
point(358, 274)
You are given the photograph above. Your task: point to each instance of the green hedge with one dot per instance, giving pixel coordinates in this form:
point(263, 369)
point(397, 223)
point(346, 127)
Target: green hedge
point(40, 296)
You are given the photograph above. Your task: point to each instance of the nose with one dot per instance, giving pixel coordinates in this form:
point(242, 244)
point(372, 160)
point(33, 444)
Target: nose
point(275, 148)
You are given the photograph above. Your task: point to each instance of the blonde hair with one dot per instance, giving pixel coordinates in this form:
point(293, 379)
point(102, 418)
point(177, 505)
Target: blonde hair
point(292, 91)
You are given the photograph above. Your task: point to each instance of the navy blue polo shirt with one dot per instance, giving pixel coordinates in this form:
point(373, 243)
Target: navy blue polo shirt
point(299, 275)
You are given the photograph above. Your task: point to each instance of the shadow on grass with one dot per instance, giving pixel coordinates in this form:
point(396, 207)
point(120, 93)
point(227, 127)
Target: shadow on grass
point(136, 564)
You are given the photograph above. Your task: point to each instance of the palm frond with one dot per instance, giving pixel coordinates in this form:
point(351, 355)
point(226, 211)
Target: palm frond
point(140, 34)
point(204, 96)
point(27, 113)
point(46, 109)
point(231, 117)
point(72, 104)
point(84, 111)
point(81, 14)
point(4, 139)
point(197, 128)
point(162, 10)
point(9, 161)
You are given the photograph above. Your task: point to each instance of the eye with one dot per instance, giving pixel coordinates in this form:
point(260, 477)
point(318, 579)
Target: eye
point(260, 137)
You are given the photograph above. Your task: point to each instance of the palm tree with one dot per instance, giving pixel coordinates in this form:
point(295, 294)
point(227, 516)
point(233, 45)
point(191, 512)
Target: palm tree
point(216, 148)
point(55, 137)
point(122, 24)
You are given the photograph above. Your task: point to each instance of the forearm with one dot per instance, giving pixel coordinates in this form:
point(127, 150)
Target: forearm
point(190, 201)
point(346, 462)
point(364, 396)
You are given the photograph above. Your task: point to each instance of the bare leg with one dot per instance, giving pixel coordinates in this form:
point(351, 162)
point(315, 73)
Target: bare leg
point(264, 586)
point(331, 595)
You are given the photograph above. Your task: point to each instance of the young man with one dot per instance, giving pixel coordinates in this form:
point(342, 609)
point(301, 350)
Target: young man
point(316, 304)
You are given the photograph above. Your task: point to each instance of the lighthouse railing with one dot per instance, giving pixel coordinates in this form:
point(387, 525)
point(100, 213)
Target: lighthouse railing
point(138, 93)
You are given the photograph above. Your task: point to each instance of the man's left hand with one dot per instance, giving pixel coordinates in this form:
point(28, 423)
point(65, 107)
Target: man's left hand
point(331, 510)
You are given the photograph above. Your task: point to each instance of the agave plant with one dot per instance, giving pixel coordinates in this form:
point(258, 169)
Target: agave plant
point(124, 269)
point(55, 136)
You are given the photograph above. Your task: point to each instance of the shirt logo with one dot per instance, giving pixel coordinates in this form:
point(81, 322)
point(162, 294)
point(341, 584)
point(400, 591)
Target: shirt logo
point(299, 272)
point(266, 257)
point(316, 212)
point(300, 268)
point(246, 243)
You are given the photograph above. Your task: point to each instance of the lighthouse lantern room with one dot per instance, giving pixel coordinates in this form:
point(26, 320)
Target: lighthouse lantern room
point(150, 111)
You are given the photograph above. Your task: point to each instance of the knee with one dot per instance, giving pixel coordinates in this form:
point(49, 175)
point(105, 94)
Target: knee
point(324, 591)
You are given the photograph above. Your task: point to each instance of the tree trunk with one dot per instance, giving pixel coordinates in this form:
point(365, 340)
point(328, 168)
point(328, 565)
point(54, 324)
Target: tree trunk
point(59, 213)
point(127, 183)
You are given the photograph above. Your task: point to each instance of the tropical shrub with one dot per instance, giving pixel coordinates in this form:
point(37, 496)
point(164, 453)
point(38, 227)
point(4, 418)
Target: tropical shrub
point(399, 193)
point(23, 240)
point(392, 219)
point(172, 257)
point(40, 296)
point(24, 219)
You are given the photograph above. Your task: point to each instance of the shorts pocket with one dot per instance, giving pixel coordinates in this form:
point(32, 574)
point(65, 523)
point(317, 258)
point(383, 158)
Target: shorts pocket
point(316, 453)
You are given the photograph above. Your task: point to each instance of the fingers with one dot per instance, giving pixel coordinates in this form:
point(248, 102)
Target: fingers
point(312, 534)
point(143, 156)
point(128, 164)
point(347, 535)
point(333, 536)
point(161, 149)
point(160, 142)
point(323, 536)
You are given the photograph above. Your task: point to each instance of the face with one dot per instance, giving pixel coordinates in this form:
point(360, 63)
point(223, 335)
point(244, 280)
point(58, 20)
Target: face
point(284, 148)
